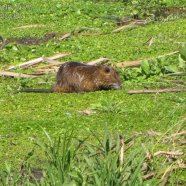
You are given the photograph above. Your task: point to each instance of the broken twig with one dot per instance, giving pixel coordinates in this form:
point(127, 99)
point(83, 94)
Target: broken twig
point(182, 133)
point(13, 74)
point(155, 91)
point(133, 24)
point(87, 112)
point(39, 60)
point(27, 64)
point(50, 65)
point(129, 64)
point(30, 26)
point(138, 63)
point(149, 42)
point(122, 149)
point(153, 133)
point(177, 74)
point(98, 61)
point(148, 176)
point(169, 153)
point(66, 36)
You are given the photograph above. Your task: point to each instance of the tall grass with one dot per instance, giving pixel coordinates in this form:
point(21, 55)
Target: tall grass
point(113, 160)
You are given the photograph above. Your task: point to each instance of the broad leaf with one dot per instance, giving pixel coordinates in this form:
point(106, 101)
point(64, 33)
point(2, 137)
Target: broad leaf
point(145, 67)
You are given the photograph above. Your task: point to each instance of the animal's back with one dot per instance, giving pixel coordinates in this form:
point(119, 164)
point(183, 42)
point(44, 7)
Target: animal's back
point(69, 67)
point(79, 77)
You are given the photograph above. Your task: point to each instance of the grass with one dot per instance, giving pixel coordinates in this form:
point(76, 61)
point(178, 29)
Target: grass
point(110, 160)
point(26, 114)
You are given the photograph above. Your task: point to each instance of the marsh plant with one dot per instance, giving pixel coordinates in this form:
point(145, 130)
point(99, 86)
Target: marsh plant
point(70, 161)
point(112, 159)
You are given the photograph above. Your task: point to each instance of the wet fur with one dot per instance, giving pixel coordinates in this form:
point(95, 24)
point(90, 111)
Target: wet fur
point(79, 77)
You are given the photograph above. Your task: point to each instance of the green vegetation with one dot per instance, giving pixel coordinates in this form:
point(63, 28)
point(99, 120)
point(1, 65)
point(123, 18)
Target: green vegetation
point(23, 116)
point(112, 160)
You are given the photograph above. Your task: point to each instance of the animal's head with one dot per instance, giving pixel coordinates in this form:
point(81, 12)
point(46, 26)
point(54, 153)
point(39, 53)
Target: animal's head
point(107, 78)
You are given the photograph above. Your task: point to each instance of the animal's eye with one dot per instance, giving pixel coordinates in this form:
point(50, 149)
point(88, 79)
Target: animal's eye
point(107, 69)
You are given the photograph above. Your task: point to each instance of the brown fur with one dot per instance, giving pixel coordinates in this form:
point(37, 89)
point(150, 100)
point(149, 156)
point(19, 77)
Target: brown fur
point(79, 77)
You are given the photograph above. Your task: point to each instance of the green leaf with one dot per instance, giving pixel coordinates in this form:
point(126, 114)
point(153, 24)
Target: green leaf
point(145, 67)
point(78, 11)
point(182, 63)
point(183, 53)
point(171, 68)
point(59, 6)
point(15, 48)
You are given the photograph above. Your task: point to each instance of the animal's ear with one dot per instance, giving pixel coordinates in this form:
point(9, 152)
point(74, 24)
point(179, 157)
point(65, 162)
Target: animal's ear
point(106, 69)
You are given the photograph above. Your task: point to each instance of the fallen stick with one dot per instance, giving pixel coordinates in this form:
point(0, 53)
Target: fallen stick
point(66, 36)
point(28, 63)
point(138, 63)
point(166, 180)
point(122, 149)
point(47, 70)
point(13, 74)
point(125, 21)
point(87, 112)
point(45, 83)
point(100, 61)
point(36, 74)
point(49, 66)
point(38, 60)
point(171, 81)
point(129, 64)
point(30, 26)
point(177, 74)
point(60, 55)
point(169, 54)
point(131, 25)
point(169, 153)
point(124, 27)
point(149, 175)
point(155, 91)
point(92, 34)
point(51, 61)
point(182, 133)
point(149, 42)
point(153, 133)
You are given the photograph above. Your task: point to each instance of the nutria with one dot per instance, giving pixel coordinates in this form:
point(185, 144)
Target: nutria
point(79, 77)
